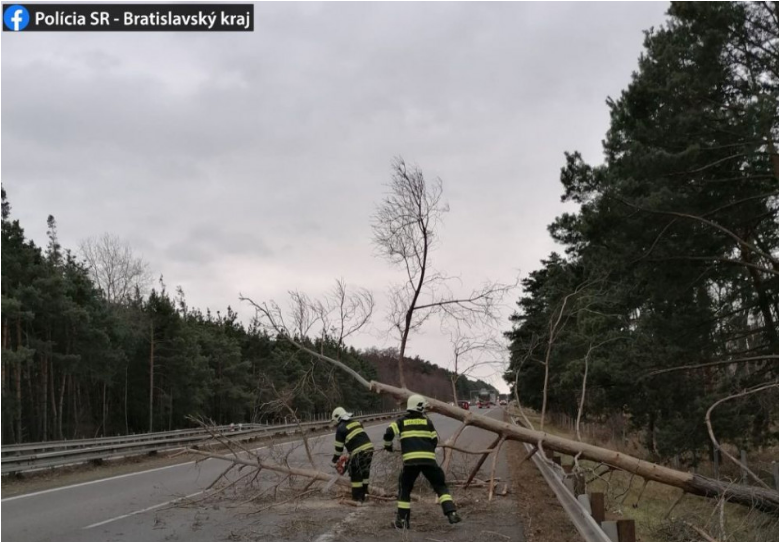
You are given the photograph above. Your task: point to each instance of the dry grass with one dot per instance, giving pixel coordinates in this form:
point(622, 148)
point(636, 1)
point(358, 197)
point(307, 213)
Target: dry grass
point(542, 516)
point(650, 506)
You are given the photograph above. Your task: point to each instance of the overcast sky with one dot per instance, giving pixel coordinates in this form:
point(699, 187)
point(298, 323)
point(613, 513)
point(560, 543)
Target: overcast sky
point(252, 162)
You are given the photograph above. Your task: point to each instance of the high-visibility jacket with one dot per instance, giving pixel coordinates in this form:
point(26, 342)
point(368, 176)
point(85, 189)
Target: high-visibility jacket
point(351, 436)
point(418, 438)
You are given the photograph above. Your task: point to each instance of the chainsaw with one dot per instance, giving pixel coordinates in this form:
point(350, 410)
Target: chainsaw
point(340, 467)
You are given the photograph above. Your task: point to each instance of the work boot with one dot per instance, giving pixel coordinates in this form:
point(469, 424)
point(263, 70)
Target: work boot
point(402, 523)
point(453, 517)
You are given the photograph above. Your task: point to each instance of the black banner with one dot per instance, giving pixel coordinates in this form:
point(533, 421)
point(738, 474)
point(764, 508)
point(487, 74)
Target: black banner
point(128, 17)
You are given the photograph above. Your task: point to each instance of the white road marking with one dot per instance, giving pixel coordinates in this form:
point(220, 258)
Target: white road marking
point(149, 508)
point(72, 486)
point(161, 505)
point(93, 482)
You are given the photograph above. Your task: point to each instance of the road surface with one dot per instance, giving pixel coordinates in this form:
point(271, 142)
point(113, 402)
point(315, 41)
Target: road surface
point(140, 506)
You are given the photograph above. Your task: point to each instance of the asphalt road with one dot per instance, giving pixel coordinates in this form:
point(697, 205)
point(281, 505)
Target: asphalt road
point(134, 506)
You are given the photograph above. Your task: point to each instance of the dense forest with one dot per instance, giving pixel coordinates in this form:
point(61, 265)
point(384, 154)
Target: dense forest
point(429, 379)
point(665, 300)
point(79, 360)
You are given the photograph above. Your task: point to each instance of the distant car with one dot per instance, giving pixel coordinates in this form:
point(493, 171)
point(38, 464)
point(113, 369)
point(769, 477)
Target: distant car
point(465, 405)
point(483, 404)
point(503, 403)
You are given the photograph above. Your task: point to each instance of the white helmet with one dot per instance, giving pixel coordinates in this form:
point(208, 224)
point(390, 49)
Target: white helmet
point(338, 414)
point(417, 403)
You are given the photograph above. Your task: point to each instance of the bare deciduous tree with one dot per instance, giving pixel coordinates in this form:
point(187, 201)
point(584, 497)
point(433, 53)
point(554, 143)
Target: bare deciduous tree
point(584, 382)
point(471, 351)
point(556, 326)
point(405, 232)
point(114, 267)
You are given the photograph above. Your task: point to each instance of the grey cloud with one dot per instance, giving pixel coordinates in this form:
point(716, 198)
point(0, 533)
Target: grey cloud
point(234, 156)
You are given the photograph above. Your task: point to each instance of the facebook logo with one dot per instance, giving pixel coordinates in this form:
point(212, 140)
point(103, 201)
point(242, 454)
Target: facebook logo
point(16, 18)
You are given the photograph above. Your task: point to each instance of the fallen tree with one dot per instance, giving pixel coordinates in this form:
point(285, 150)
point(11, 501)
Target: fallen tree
point(762, 498)
point(766, 499)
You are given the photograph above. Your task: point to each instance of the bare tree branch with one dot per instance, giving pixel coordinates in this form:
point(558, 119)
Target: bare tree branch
point(713, 224)
point(710, 364)
point(715, 440)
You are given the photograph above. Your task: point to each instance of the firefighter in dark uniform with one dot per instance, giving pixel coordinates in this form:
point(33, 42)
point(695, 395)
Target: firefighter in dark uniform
point(351, 436)
point(418, 440)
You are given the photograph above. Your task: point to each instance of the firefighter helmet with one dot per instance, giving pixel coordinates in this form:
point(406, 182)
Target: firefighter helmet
point(338, 414)
point(416, 403)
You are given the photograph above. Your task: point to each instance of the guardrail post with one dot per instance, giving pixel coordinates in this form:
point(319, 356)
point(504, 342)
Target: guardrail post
point(626, 530)
point(597, 507)
point(584, 500)
point(610, 528)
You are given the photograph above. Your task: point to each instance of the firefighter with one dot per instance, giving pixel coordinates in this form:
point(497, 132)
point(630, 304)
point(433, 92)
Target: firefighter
point(351, 436)
point(418, 440)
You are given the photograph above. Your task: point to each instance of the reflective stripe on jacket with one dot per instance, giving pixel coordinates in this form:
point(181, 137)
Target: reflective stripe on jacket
point(418, 438)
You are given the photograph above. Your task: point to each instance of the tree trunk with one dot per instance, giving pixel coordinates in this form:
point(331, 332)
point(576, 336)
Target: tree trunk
point(76, 394)
point(152, 371)
point(401, 360)
point(126, 400)
point(765, 499)
point(32, 401)
point(62, 405)
point(695, 484)
point(18, 380)
point(43, 398)
point(582, 398)
point(454, 390)
point(103, 410)
point(5, 346)
point(52, 396)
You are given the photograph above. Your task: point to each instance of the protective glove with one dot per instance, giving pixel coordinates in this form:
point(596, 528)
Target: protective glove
point(388, 448)
point(335, 458)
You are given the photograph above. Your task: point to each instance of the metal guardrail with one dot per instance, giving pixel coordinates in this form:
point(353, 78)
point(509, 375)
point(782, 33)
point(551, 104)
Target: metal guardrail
point(16, 459)
point(20, 449)
point(584, 523)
